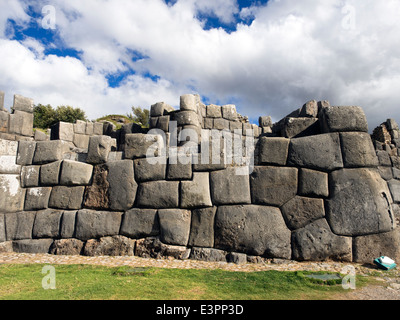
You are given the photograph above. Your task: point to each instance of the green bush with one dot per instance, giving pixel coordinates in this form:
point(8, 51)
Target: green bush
point(45, 115)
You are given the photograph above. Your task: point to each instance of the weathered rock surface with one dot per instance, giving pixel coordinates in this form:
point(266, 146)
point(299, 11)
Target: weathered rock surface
point(313, 183)
point(69, 198)
point(158, 194)
point(273, 150)
point(96, 195)
point(19, 225)
point(202, 227)
point(109, 246)
point(358, 150)
point(196, 193)
point(341, 119)
point(174, 226)
point(255, 230)
point(140, 223)
point(74, 173)
point(67, 247)
point(47, 224)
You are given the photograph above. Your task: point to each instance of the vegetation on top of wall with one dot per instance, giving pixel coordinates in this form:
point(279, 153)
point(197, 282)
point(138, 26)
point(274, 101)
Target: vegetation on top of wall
point(45, 115)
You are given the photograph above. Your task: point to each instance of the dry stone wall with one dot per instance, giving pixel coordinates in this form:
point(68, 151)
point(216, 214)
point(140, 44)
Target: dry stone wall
point(313, 186)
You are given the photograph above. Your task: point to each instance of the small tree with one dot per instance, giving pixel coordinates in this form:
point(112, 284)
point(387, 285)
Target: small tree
point(45, 116)
point(140, 116)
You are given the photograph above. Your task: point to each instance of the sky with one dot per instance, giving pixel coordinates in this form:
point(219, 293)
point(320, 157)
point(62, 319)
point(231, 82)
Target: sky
point(266, 57)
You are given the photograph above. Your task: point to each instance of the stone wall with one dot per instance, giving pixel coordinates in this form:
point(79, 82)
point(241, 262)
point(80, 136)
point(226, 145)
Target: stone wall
point(315, 187)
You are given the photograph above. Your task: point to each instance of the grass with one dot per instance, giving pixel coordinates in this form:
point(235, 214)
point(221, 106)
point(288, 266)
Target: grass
point(86, 282)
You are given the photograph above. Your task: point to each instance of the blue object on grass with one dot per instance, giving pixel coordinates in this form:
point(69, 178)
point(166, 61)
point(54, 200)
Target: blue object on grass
point(385, 263)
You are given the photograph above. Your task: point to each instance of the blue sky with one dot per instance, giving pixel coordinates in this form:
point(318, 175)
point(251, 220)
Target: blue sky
point(267, 57)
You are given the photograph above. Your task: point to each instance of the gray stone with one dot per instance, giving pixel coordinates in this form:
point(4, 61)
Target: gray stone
point(50, 173)
point(8, 148)
point(2, 94)
point(229, 112)
point(202, 227)
point(74, 173)
point(265, 121)
point(236, 127)
point(209, 123)
point(81, 141)
point(22, 104)
point(273, 150)
point(140, 223)
point(37, 198)
point(179, 171)
point(122, 185)
point(4, 121)
point(67, 229)
point(21, 123)
point(8, 165)
point(184, 118)
point(358, 150)
point(221, 124)
point(153, 248)
point(299, 127)
point(208, 254)
point(159, 109)
point(89, 128)
point(313, 183)
point(383, 158)
point(99, 148)
point(92, 224)
point(6, 247)
point(96, 195)
point(163, 123)
point(62, 131)
point(396, 173)
point(19, 225)
point(386, 173)
point(11, 194)
point(237, 258)
point(360, 203)
point(26, 150)
point(67, 247)
point(227, 187)
point(98, 128)
point(392, 124)
point(368, 248)
point(395, 161)
point(32, 246)
point(273, 185)
point(316, 152)
point(158, 194)
point(214, 111)
point(196, 193)
point(69, 198)
point(255, 230)
point(80, 127)
point(316, 242)
point(48, 151)
point(148, 170)
point(2, 229)
point(109, 246)
point(394, 186)
point(188, 102)
point(174, 226)
point(341, 119)
point(310, 109)
point(300, 211)
point(40, 135)
point(137, 145)
point(47, 224)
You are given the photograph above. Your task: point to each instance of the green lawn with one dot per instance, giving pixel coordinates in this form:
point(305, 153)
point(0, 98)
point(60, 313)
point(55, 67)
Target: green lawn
point(84, 282)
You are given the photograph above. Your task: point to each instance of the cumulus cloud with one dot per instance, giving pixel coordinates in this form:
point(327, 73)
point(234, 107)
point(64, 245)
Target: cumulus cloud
point(291, 52)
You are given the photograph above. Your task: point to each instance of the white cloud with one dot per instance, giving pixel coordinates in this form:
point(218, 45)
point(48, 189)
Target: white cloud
point(292, 52)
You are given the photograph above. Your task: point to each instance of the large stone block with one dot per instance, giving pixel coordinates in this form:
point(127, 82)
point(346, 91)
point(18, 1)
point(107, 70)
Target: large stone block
point(299, 127)
point(368, 248)
point(158, 194)
point(184, 118)
point(11, 194)
point(313, 183)
point(273, 150)
point(19, 225)
point(74, 173)
point(96, 224)
point(316, 242)
point(69, 198)
point(146, 170)
point(273, 185)
point(359, 204)
point(383, 158)
point(255, 230)
point(99, 148)
point(394, 186)
point(358, 150)
point(174, 226)
point(341, 119)
point(208, 254)
point(37, 198)
point(109, 246)
point(81, 141)
point(139, 145)
point(8, 165)
point(96, 195)
point(214, 111)
point(21, 123)
point(47, 224)
point(153, 248)
point(122, 185)
point(179, 170)
point(202, 227)
point(48, 151)
point(8, 148)
point(4, 121)
point(50, 173)
point(26, 150)
point(22, 104)
point(67, 229)
point(160, 109)
point(309, 109)
point(320, 152)
point(67, 247)
point(300, 211)
point(32, 245)
point(80, 127)
point(140, 223)
point(196, 193)
point(62, 131)
point(229, 112)
point(227, 187)
point(188, 102)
